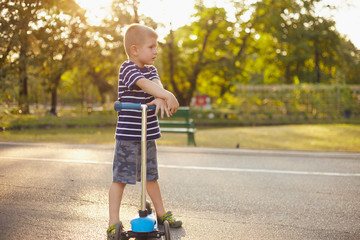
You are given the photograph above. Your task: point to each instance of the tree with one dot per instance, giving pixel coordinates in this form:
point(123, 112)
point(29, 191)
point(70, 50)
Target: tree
point(16, 20)
point(61, 36)
point(8, 25)
point(193, 48)
point(282, 41)
point(349, 64)
point(307, 46)
point(26, 26)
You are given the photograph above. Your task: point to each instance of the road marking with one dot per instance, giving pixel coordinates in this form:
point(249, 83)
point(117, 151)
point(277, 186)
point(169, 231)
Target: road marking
point(244, 170)
point(58, 160)
point(202, 150)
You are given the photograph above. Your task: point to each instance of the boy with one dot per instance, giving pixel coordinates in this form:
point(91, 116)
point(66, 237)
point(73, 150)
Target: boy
point(139, 83)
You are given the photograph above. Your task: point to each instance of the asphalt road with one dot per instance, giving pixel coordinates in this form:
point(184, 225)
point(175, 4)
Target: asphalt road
point(55, 191)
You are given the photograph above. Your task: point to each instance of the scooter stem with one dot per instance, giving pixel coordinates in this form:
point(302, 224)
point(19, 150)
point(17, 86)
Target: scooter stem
point(143, 155)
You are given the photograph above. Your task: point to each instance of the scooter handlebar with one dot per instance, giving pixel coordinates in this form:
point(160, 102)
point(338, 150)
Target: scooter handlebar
point(119, 105)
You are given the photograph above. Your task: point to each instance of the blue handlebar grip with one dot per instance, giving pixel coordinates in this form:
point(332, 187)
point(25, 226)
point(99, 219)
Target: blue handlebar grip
point(119, 105)
point(152, 107)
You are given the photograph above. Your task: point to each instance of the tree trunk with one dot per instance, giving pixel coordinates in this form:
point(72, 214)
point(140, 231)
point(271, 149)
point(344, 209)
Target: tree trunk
point(179, 95)
point(287, 74)
point(53, 101)
point(243, 46)
point(317, 64)
point(135, 4)
point(23, 94)
point(197, 69)
point(56, 82)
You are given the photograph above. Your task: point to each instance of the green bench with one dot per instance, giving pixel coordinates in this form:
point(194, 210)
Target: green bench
point(180, 122)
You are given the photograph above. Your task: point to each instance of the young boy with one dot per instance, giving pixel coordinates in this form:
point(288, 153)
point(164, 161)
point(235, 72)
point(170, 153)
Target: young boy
point(139, 83)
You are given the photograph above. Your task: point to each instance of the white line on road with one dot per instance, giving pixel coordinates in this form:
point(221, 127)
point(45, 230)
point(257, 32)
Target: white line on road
point(262, 171)
point(58, 160)
point(245, 170)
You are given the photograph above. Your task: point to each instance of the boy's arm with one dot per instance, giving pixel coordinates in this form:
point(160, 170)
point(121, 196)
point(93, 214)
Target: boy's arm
point(156, 89)
point(159, 102)
point(158, 82)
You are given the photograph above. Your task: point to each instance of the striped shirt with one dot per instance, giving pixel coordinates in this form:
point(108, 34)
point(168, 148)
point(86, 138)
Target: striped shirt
point(129, 120)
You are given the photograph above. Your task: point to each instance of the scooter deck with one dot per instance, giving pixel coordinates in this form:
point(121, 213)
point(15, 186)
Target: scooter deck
point(143, 235)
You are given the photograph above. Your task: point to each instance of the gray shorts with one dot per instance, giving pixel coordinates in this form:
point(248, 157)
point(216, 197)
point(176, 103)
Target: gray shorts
point(127, 162)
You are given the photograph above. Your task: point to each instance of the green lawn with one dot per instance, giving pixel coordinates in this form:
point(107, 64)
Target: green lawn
point(322, 137)
point(334, 137)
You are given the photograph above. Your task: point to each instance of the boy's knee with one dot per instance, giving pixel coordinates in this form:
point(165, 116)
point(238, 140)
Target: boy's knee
point(119, 185)
point(151, 182)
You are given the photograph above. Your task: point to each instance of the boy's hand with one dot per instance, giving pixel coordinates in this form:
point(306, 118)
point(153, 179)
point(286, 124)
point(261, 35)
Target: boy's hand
point(158, 91)
point(172, 103)
point(160, 105)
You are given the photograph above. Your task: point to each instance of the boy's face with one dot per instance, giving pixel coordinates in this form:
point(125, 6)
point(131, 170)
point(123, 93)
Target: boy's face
point(146, 53)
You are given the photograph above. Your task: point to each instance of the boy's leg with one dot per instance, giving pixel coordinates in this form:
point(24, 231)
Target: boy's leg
point(153, 190)
point(115, 196)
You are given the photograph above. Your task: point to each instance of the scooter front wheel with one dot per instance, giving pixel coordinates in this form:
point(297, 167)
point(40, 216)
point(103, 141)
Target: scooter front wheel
point(167, 230)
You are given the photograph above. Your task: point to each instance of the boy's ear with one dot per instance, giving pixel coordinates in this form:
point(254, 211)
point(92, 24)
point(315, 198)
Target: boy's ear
point(134, 50)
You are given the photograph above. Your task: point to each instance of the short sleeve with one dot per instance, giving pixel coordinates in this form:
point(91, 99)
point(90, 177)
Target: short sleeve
point(129, 74)
point(153, 73)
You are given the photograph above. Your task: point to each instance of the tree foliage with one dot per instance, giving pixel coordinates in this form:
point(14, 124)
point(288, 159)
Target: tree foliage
point(283, 42)
point(48, 49)
point(41, 35)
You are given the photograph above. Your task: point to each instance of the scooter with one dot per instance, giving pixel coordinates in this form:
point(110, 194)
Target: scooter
point(144, 225)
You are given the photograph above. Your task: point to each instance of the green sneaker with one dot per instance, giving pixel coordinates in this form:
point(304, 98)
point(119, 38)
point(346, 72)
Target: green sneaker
point(173, 222)
point(114, 232)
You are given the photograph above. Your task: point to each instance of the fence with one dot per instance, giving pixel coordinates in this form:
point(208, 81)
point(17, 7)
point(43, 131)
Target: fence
point(286, 104)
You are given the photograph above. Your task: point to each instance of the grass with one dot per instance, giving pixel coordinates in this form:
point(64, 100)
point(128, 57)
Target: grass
point(321, 137)
point(327, 137)
point(37, 121)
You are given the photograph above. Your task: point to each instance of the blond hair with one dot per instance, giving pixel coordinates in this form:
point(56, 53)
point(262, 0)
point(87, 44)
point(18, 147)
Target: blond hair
point(135, 34)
